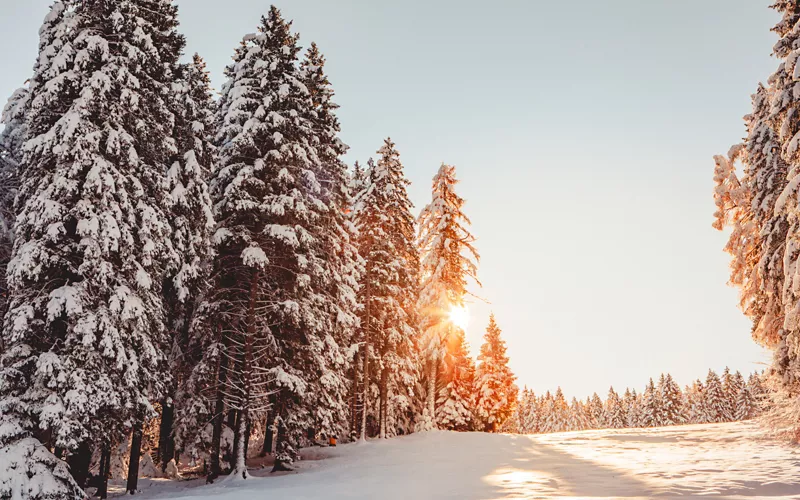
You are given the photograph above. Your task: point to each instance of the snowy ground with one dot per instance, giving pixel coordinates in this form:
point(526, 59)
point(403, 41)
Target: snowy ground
point(724, 460)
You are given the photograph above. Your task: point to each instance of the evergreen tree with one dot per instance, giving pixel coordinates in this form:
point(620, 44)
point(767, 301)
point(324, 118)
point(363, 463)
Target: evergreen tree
point(595, 411)
point(650, 406)
point(448, 261)
point(92, 229)
point(496, 392)
point(388, 290)
point(193, 223)
point(631, 404)
point(767, 172)
point(576, 420)
point(547, 413)
point(614, 412)
point(670, 398)
point(336, 260)
point(784, 120)
point(744, 409)
point(732, 384)
point(273, 197)
point(11, 139)
point(529, 413)
point(455, 409)
point(697, 411)
point(714, 399)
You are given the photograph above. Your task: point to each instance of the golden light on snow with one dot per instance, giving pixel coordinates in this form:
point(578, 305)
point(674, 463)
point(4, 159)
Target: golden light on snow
point(459, 316)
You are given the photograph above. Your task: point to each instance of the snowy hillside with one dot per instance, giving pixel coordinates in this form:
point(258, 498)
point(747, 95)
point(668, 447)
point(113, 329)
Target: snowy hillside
point(732, 460)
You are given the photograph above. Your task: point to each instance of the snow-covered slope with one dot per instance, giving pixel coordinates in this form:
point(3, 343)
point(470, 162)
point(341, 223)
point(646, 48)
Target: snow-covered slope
point(724, 460)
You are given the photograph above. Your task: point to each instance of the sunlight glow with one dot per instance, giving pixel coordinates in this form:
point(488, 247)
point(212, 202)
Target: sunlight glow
point(459, 316)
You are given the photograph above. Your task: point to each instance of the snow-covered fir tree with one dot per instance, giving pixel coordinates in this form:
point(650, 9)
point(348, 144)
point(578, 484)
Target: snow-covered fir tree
point(92, 227)
point(183, 415)
point(670, 402)
point(496, 392)
point(12, 138)
point(528, 413)
point(448, 261)
point(630, 402)
point(274, 192)
point(576, 419)
point(649, 409)
point(716, 403)
point(455, 405)
point(744, 408)
point(387, 294)
point(614, 411)
point(595, 411)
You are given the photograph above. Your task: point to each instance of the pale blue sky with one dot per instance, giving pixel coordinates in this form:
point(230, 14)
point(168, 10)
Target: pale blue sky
point(583, 133)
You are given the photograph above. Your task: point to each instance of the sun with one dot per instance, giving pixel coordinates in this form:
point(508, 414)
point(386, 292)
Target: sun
point(459, 316)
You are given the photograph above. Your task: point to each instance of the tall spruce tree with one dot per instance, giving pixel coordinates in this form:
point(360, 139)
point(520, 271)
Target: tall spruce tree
point(455, 405)
point(716, 404)
point(92, 227)
point(650, 407)
point(496, 392)
point(387, 291)
point(326, 400)
point(187, 282)
point(11, 139)
point(671, 405)
point(270, 206)
point(449, 260)
point(614, 411)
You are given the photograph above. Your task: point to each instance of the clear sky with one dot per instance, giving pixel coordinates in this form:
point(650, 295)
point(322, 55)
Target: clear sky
point(583, 133)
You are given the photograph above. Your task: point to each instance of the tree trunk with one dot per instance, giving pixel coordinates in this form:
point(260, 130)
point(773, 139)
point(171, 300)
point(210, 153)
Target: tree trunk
point(266, 448)
point(79, 462)
point(166, 441)
point(243, 418)
point(384, 405)
point(133, 464)
point(431, 396)
point(354, 399)
point(219, 413)
point(233, 423)
point(247, 438)
point(105, 469)
point(365, 402)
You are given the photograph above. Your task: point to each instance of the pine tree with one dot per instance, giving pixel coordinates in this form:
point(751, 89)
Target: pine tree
point(11, 139)
point(714, 398)
point(744, 409)
point(732, 384)
point(595, 410)
point(767, 172)
point(631, 404)
point(784, 120)
point(547, 412)
point(455, 409)
point(271, 208)
point(92, 229)
point(576, 420)
point(529, 413)
point(388, 290)
point(650, 406)
point(613, 413)
point(670, 398)
point(449, 259)
point(697, 411)
point(496, 391)
point(757, 392)
point(192, 223)
point(326, 401)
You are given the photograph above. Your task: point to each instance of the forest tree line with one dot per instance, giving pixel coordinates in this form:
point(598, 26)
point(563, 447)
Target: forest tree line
point(184, 274)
